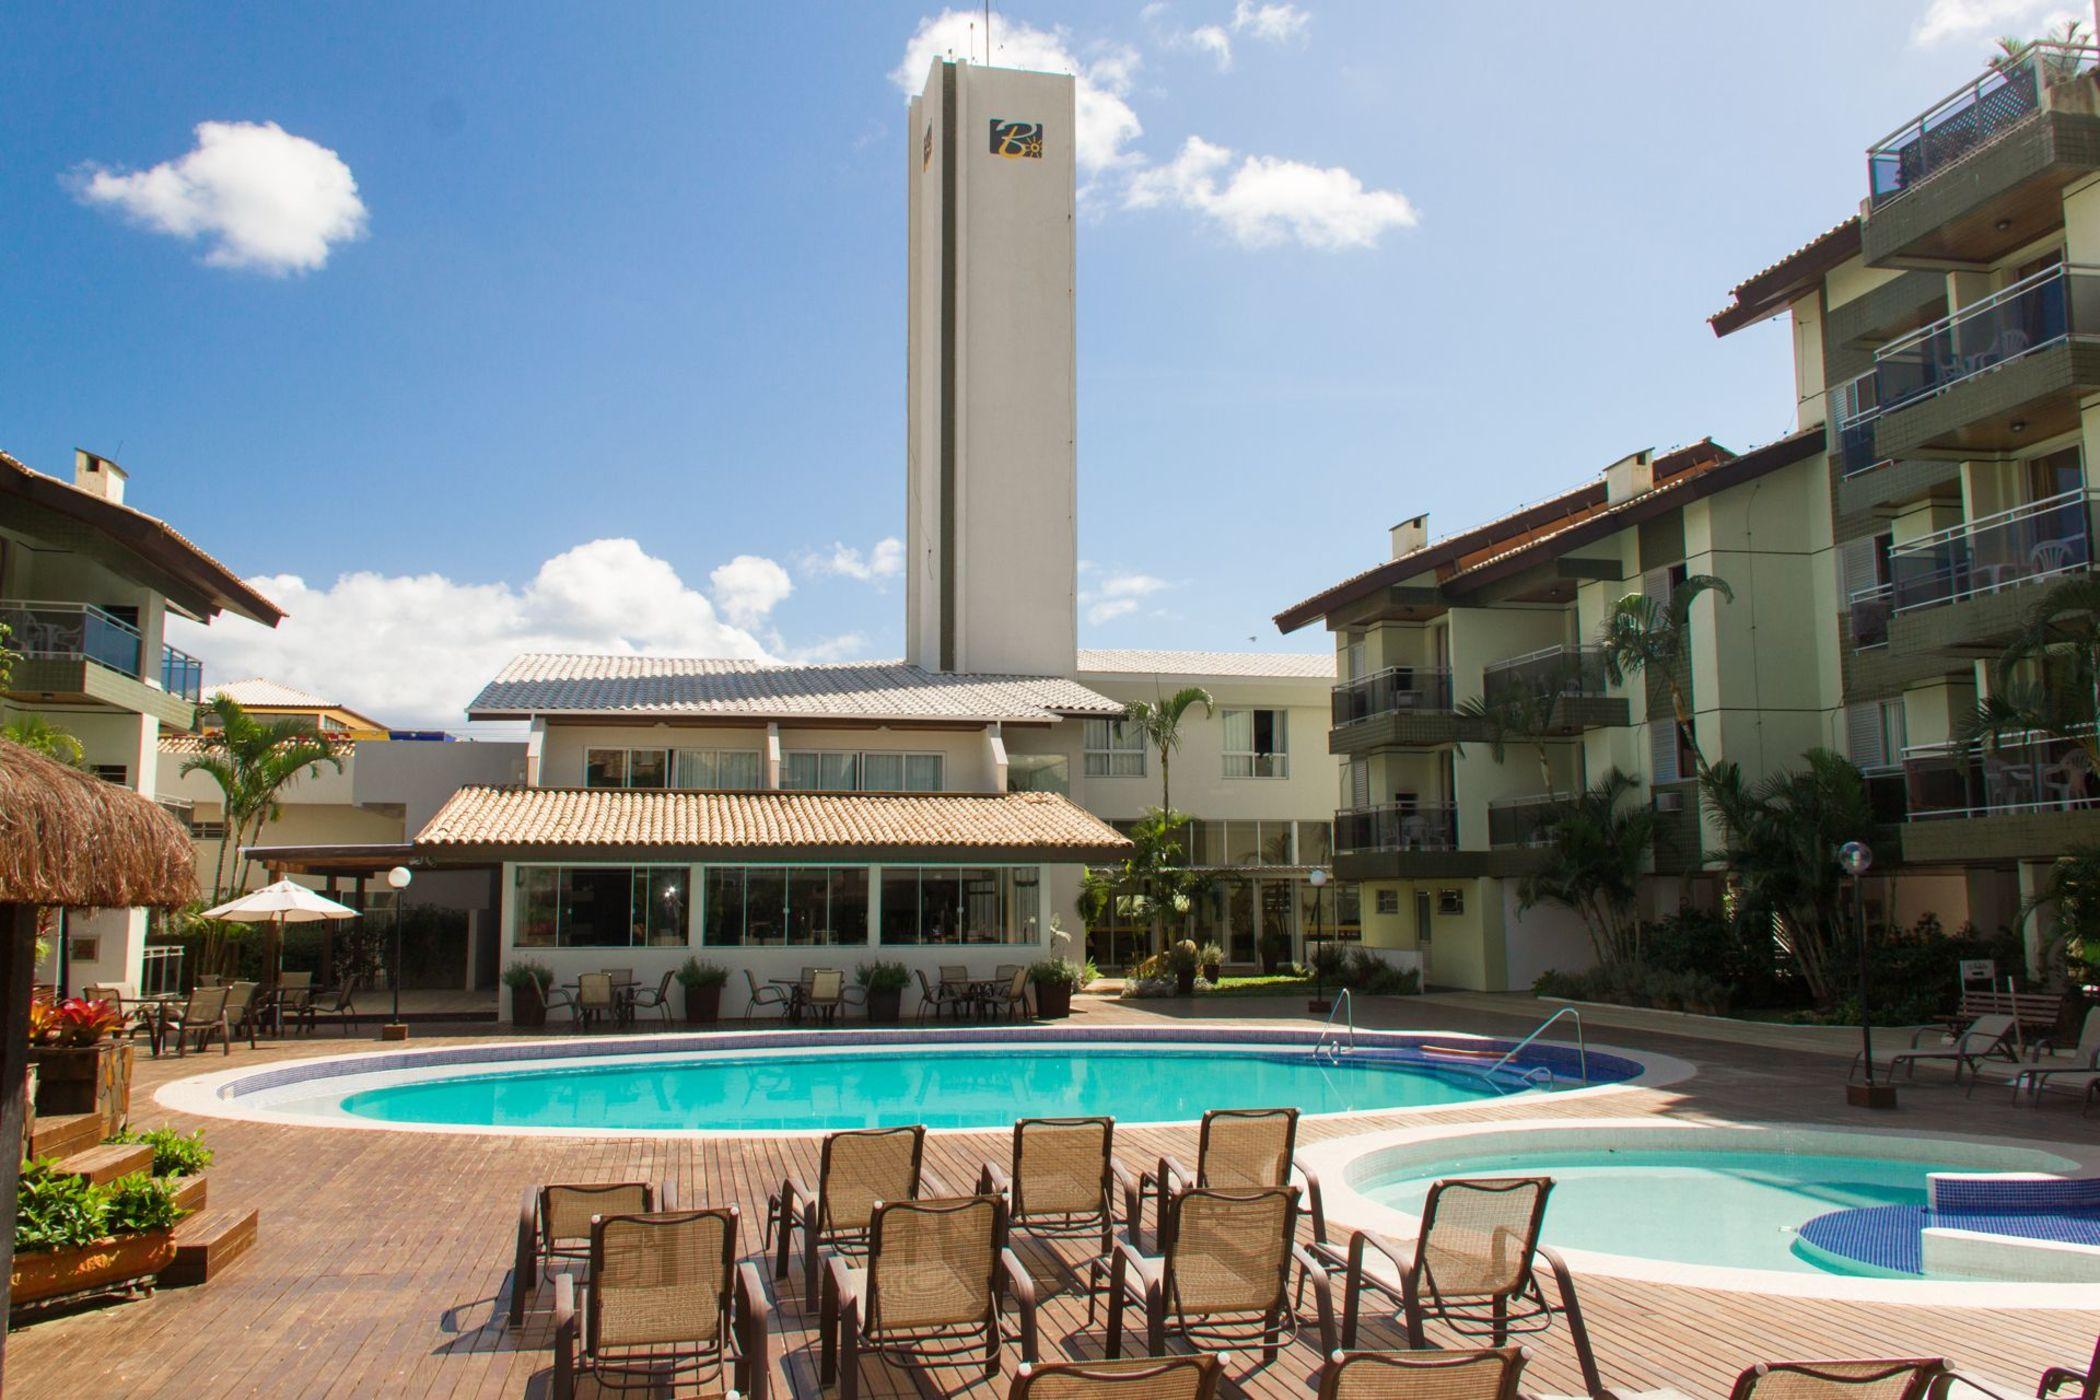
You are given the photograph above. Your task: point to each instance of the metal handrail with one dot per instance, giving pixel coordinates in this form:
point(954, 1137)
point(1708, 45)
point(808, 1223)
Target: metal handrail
point(1532, 1076)
point(1344, 1005)
point(1970, 528)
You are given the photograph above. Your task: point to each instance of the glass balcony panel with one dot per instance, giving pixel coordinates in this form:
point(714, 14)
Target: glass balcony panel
point(71, 631)
point(1982, 335)
point(2004, 95)
point(2039, 540)
point(1520, 821)
point(1396, 827)
point(1399, 689)
point(1970, 780)
point(1557, 670)
point(181, 674)
point(1855, 406)
point(1870, 611)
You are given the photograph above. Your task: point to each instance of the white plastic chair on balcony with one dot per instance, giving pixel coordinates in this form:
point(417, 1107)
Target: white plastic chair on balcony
point(2070, 783)
point(2051, 557)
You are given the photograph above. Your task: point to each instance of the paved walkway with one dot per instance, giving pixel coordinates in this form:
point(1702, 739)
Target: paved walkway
point(384, 1258)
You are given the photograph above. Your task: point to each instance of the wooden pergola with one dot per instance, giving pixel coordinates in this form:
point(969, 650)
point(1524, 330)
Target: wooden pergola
point(68, 840)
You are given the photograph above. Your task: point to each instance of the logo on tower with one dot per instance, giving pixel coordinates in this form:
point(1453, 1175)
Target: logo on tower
point(1017, 140)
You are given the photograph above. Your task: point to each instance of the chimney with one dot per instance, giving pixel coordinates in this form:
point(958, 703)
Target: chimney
point(1629, 477)
point(98, 476)
point(1410, 535)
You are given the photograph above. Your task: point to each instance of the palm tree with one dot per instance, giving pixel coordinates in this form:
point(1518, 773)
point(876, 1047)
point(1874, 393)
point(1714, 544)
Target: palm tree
point(253, 763)
point(1650, 636)
point(2062, 628)
point(1523, 718)
point(1160, 722)
point(40, 735)
point(1596, 846)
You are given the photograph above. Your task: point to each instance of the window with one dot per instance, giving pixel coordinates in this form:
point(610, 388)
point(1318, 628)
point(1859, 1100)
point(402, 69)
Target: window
point(1256, 745)
point(112, 773)
point(614, 906)
point(1038, 772)
point(208, 830)
point(794, 906)
point(960, 904)
point(815, 771)
point(626, 768)
point(1389, 902)
point(716, 769)
point(1113, 749)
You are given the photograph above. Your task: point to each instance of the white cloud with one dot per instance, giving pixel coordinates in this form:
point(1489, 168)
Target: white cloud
point(1271, 23)
point(262, 198)
point(1119, 595)
point(413, 649)
point(1265, 201)
point(1987, 19)
point(843, 647)
point(748, 587)
point(884, 561)
point(1106, 125)
point(1210, 39)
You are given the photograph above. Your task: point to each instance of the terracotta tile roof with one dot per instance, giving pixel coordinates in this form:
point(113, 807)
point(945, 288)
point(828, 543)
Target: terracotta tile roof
point(1770, 291)
point(558, 684)
point(528, 820)
point(1319, 665)
point(257, 691)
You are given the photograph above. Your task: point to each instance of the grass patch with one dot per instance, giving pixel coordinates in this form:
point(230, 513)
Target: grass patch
point(1275, 986)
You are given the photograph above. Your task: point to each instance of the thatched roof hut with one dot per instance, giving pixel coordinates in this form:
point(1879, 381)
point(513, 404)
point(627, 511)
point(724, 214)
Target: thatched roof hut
point(69, 838)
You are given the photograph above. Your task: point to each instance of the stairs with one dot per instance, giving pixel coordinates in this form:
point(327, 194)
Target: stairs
point(63, 1134)
point(207, 1243)
point(105, 1162)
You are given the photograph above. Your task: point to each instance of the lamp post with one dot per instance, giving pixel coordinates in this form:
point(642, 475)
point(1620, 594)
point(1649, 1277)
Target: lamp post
point(1319, 1002)
point(398, 877)
point(1856, 858)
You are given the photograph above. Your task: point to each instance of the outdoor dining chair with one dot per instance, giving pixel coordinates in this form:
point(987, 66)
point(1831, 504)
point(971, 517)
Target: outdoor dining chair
point(1472, 1267)
point(595, 999)
point(242, 1012)
point(1423, 1375)
point(1221, 1279)
point(931, 1291)
point(856, 1170)
point(825, 992)
point(1237, 1147)
point(657, 999)
point(554, 1224)
point(1133, 1378)
point(663, 1301)
point(936, 997)
point(1062, 1180)
point(342, 1009)
point(1011, 996)
point(202, 1015)
point(1843, 1380)
point(763, 995)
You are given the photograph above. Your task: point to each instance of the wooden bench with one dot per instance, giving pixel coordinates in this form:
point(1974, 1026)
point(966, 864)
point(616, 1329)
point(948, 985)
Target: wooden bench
point(105, 1162)
point(207, 1242)
point(2038, 1013)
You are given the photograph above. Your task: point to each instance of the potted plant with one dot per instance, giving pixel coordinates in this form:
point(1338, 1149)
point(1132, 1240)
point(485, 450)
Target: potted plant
point(72, 1236)
point(884, 983)
point(1181, 961)
point(703, 983)
point(178, 1158)
point(79, 1068)
point(1210, 957)
point(1055, 980)
point(528, 982)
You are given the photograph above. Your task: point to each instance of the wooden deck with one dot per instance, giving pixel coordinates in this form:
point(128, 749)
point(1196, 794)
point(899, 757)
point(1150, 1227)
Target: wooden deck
point(382, 1267)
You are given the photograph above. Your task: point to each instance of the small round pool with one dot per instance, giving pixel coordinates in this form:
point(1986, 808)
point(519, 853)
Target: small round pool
point(771, 1082)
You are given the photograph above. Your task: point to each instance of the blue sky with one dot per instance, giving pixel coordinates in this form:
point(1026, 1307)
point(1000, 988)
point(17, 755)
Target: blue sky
point(635, 273)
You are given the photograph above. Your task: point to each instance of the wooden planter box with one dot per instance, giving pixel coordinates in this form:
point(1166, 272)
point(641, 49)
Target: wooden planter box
point(886, 1007)
point(703, 1005)
point(528, 1010)
point(105, 1264)
point(85, 1079)
point(1053, 1000)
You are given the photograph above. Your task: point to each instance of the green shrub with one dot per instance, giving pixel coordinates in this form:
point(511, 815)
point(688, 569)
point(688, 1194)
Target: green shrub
point(883, 976)
point(526, 972)
point(174, 1154)
point(56, 1210)
point(139, 1203)
point(1062, 972)
point(695, 973)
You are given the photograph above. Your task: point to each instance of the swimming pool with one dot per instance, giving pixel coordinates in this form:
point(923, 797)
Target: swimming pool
point(816, 1082)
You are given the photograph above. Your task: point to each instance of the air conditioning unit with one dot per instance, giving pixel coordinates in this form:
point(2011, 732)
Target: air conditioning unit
point(1669, 803)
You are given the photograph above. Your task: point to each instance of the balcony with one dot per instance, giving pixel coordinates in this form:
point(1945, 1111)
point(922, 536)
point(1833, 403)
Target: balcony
point(181, 674)
point(1868, 615)
point(1557, 670)
point(2031, 798)
point(72, 631)
point(1403, 826)
point(1396, 690)
point(1520, 823)
point(2035, 312)
point(79, 653)
point(1854, 406)
point(2040, 540)
point(1976, 115)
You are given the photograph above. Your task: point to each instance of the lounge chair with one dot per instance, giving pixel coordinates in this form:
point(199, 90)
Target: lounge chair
point(1238, 1147)
point(663, 1301)
point(1470, 1266)
point(202, 1015)
point(1423, 1375)
point(936, 1274)
point(1063, 1179)
point(857, 1170)
point(764, 994)
point(1012, 996)
point(595, 999)
point(1990, 1037)
point(1132, 1378)
point(2085, 1063)
point(2057, 1377)
point(934, 998)
point(825, 992)
point(1221, 1279)
point(657, 999)
point(1841, 1380)
point(554, 1223)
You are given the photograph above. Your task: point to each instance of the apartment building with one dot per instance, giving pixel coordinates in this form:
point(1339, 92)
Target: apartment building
point(87, 584)
point(1947, 343)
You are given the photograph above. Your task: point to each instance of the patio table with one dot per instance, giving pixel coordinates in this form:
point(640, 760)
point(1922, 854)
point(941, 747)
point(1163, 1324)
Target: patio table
point(797, 994)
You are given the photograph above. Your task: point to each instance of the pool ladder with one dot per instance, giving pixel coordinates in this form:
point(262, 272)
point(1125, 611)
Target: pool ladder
point(1331, 1042)
point(1539, 1076)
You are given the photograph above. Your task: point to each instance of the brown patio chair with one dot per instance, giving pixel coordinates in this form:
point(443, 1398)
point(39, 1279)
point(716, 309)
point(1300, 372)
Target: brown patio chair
point(957, 983)
point(1841, 1380)
point(554, 1224)
point(595, 999)
point(1221, 1280)
point(1012, 996)
point(242, 1011)
point(1237, 1147)
point(764, 995)
point(1131, 1378)
point(2057, 1377)
point(663, 1301)
point(202, 1015)
point(341, 1008)
point(123, 999)
point(825, 992)
point(1063, 1179)
point(936, 997)
point(930, 1294)
point(1423, 1375)
point(657, 999)
point(1471, 1267)
point(857, 1170)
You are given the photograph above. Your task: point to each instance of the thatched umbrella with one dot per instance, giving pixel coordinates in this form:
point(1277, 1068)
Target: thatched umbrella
point(68, 839)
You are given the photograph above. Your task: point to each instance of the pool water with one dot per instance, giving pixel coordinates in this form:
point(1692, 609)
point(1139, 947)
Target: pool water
point(1733, 1209)
point(942, 1089)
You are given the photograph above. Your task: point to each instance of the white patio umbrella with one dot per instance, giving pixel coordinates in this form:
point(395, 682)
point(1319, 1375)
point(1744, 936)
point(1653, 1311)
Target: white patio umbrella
point(286, 902)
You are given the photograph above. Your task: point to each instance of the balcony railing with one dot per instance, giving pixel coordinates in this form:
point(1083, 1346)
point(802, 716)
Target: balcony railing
point(1869, 611)
point(1521, 821)
point(2032, 313)
point(1971, 780)
point(71, 631)
point(1854, 405)
point(1403, 826)
point(2039, 540)
point(1400, 689)
point(1555, 670)
point(2006, 94)
point(181, 674)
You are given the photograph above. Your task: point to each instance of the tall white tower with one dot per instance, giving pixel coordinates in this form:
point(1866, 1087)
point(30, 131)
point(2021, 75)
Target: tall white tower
point(991, 541)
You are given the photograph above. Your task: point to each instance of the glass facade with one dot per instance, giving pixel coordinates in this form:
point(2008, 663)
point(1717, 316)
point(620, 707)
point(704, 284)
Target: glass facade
point(828, 771)
point(616, 906)
point(791, 906)
point(736, 770)
point(960, 904)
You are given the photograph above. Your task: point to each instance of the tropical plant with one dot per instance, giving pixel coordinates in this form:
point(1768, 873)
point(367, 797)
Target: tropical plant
point(882, 975)
point(140, 1203)
point(8, 657)
point(1522, 718)
point(253, 762)
point(2072, 889)
point(1783, 836)
point(525, 972)
point(695, 973)
point(1652, 636)
point(40, 735)
point(2057, 66)
point(1151, 883)
point(1160, 722)
point(1063, 972)
point(56, 1210)
point(1594, 846)
point(2047, 680)
point(174, 1154)
point(71, 1022)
